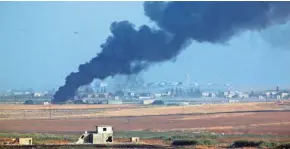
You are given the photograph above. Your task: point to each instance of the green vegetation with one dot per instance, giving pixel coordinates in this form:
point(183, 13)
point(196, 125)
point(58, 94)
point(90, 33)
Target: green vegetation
point(29, 102)
point(176, 138)
point(194, 142)
point(166, 135)
point(283, 146)
point(50, 147)
point(40, 138)
point(261, 144)
point(246, 143)
point(23, 98)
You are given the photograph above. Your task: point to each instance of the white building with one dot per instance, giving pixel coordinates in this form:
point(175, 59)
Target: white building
point(205, 94)
point(284, 95)
point(147, 101)
point(37, 94)
point(233, 101)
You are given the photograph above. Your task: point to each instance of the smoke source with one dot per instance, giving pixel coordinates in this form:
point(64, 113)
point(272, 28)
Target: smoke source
point(129, 50)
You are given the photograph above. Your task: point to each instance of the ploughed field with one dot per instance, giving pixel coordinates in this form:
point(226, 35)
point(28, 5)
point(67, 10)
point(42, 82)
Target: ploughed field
point(243, 118)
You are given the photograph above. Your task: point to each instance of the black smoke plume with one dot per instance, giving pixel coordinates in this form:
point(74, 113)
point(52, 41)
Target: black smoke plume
point(129, 50)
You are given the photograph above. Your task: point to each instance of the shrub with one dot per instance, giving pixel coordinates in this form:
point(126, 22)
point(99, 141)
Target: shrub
point(284, 146)
point(158, 102)
point(29, 102)
point(269, 144)
point(246, 143)
point(194, 142)
point(209, 142)
point(184, 142)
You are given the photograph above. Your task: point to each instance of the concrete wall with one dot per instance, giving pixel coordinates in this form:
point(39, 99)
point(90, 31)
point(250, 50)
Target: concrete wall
point(114, 102)
point(102, 138)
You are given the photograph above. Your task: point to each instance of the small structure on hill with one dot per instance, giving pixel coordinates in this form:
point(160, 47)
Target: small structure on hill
point(17, 141)
point(135, 139)
point(103, 134)
point(24, 141)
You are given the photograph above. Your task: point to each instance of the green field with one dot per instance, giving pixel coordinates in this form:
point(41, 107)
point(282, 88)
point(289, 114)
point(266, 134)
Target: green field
point(176, 138)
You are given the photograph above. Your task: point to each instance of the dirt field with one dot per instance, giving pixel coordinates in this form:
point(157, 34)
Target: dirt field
point(191, 109)
point(150, 118)
point(41, 107)
point(8, 112)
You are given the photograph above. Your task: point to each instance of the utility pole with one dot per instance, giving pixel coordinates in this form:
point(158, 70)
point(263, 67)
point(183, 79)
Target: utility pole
point(129, 123)
point(49, 110)
point(24, 114)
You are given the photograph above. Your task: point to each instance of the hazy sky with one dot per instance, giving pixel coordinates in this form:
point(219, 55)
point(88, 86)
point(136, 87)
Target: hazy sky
point(42, 42)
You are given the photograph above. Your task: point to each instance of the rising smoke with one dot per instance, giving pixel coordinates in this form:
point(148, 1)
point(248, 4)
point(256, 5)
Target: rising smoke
point(129, 50)
point(122, 82)
point(277, 36)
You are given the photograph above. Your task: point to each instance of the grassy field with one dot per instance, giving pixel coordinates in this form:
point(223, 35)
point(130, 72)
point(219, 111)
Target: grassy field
point(176, 138)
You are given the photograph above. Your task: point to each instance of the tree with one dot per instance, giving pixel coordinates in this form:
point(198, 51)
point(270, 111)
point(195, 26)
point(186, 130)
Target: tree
point(29, 102)
point(158, 102)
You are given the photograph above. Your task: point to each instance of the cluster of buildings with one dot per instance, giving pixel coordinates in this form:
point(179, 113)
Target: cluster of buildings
point(27, 92)
point(25, 96)
point(177, 92)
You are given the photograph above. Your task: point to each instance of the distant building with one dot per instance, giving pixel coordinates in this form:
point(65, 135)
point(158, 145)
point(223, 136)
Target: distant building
point(37, 94)
point(261, 97)
point(131, 94)
point(147, 101)
point(113, 102)
point(205, 94)
point(103, 95)
point(212, 95)
point(156, 95)
point(233, 101)
point(184, 103)
point(244, 95)
point(145, 96)
point(46, 103)
point(284, 95)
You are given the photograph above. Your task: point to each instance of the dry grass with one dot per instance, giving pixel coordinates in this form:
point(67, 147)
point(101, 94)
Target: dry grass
point(41, 107)
point(55, 111)
point(93, 111)
point(197, 117)
point(191, 109)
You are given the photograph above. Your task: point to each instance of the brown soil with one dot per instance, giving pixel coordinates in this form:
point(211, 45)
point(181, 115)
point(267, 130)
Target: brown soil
point(256, 122)
point(8, 112)
point(65, 106)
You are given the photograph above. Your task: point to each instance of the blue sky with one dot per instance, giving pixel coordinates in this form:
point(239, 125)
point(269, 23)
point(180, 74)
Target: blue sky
point(39, 47)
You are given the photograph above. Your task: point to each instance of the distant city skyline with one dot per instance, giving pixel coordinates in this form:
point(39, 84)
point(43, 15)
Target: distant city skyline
point(42, 42)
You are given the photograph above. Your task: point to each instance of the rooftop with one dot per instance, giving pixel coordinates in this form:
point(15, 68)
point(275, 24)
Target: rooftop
point(103, 126)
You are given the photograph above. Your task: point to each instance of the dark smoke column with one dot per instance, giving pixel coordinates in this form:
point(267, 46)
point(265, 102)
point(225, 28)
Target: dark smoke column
point(129, 50)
